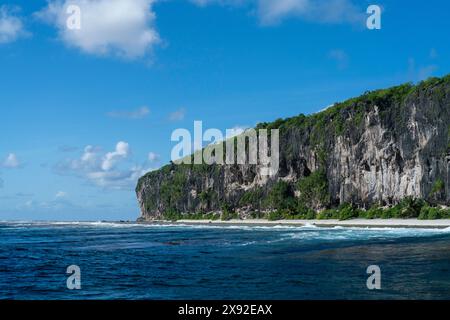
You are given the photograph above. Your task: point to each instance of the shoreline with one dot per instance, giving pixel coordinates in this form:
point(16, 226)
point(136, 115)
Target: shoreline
point(360, 223)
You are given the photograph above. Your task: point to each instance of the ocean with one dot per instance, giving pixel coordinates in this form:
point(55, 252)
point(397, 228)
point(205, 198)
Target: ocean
point(135, 261)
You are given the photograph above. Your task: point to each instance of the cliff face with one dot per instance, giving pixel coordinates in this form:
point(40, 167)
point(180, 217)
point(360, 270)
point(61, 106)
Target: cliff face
point(375, 149)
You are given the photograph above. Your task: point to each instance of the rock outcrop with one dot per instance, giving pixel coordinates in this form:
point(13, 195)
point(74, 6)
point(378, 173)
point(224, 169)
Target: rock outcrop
point(375, 149)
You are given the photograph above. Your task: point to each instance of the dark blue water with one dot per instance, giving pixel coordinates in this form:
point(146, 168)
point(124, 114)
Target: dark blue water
point(129, 261)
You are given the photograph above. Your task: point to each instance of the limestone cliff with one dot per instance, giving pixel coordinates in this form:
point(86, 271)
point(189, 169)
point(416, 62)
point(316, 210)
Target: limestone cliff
point(374, 149)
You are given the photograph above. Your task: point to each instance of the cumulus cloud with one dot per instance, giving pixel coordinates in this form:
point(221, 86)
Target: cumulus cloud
point(60, 195)
point(118, 179)
point(110, 159)
point(57, 205)
point(329, 11)
point(322, 11)
point(11, 26)
point(153, 157)
point(204, 3)
point(327, 107)
point(139, 113)
point(106, 170)
point(11, 161)
point(177, 115)
point(273, 11)
point(108, 27)
point(237, 130)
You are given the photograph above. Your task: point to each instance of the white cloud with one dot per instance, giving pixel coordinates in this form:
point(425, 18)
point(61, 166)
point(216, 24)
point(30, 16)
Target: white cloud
point(177, 115)
point(139, 113)
point(323, 11)
point(11, 26)
point(106, 170)
point(237, 130)
point(11, 161)
point(204, 3)
point(153, 157)
point(29, 204)
point(110, 159)
point(57, 205)
point(61, 195)
point(89, 157)
point(273, 11)
point(108, 27)
point(327, 107)
point(118, 179)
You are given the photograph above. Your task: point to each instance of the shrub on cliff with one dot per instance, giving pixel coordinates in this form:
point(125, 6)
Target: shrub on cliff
point(303, 212)
point(373, 212)
point(438, 186)
point(172, 215)
point(274, 215)
point(348, 211)
point(328, 214)
point(345, 211)
point(226, 212)
point(281, 197)
point(252, 198)
point(314, 190)
point(410, 207)
point(431, 213)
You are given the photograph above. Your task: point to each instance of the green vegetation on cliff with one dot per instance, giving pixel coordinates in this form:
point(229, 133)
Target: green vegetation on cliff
point(313, 190)
point(406, 209)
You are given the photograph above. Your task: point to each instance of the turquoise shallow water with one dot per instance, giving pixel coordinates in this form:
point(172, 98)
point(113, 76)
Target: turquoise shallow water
point(131, 261)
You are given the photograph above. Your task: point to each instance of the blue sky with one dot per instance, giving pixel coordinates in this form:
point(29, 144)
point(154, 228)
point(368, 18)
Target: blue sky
point(84, 113)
